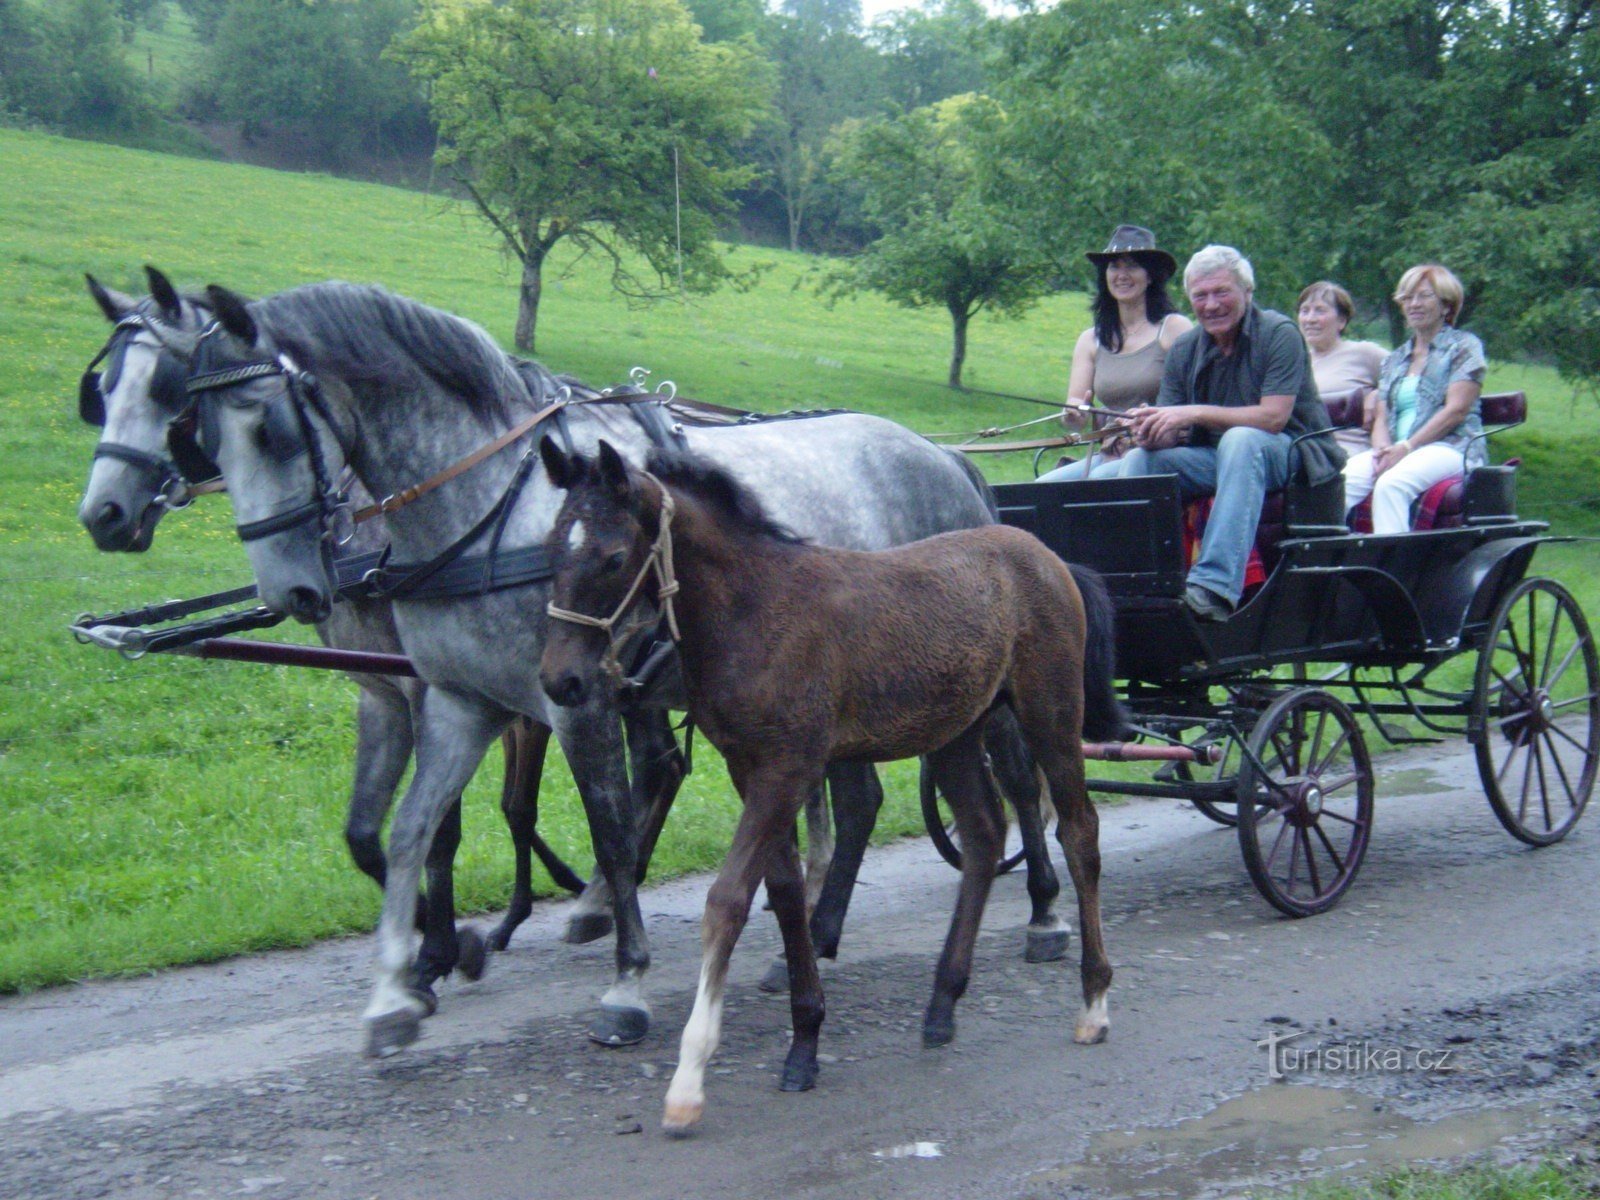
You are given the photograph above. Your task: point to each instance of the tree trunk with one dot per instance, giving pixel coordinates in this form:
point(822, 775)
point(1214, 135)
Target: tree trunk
point(958, 348)
point(528, 292)
point(793, 211)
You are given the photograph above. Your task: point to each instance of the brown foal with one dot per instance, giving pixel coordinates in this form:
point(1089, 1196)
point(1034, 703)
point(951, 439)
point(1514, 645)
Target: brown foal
point(794, 656)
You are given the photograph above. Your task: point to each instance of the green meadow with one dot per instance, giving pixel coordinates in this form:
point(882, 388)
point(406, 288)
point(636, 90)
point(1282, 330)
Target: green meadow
point(169, 810)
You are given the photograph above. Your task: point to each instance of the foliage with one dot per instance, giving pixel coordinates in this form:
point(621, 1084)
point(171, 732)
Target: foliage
point(315, 72)
point(950, 236)
point(62, 67)
point(1147, 113)
point(933, 52)
point(605, 122)
point(727, 20)
point(826, 75)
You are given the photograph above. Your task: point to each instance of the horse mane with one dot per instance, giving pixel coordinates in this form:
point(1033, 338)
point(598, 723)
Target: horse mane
point(369, 334)
point(714, 486)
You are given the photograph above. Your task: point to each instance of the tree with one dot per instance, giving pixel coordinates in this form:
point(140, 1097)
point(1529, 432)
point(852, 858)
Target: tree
point(931, 52)
point(1150, 112)
point(727, 20)
point(826, 75)
point(606, 122)
point(315, 71)
point(951, 236)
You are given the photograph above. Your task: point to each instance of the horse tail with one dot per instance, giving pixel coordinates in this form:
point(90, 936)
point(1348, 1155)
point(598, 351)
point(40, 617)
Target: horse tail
point(985, 492)
point(1104, 718)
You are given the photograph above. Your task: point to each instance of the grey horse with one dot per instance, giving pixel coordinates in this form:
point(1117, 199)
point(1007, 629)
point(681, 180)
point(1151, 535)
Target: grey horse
point(293, 388)
point(134, 481)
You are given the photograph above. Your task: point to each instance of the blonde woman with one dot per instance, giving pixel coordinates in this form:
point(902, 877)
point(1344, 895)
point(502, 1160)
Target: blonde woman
point(1428, 425)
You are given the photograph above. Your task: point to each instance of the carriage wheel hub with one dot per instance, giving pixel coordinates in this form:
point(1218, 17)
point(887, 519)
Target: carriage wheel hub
point(1311, 800)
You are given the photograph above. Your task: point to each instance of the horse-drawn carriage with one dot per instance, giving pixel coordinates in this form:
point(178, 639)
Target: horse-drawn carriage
point(1443, 629)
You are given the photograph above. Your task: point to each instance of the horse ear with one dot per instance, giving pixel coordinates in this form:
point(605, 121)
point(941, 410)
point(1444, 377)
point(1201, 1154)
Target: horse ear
point(613, 471)
point(563, 471)
point(114, 304)
point(231, 311)
point(164, 294)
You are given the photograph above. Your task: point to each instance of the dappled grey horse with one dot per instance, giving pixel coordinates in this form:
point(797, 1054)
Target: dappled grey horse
point(291, 389)
point(135, 480)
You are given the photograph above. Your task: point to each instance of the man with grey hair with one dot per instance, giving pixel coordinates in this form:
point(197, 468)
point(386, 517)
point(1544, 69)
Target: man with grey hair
point(1236, 391)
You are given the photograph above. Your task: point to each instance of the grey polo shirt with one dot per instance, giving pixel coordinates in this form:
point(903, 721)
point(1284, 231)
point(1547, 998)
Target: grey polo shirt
point(1269, 359)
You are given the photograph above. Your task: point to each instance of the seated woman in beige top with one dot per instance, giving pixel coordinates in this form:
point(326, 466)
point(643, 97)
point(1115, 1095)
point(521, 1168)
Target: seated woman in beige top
point(1117, 363)
point(1339, 366)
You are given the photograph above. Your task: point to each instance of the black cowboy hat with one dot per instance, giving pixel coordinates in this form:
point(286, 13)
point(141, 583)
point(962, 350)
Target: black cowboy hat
point(1136, 242)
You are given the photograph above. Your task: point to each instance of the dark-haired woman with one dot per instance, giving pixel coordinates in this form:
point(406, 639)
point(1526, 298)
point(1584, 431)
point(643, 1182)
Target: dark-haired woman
point(1117, 363)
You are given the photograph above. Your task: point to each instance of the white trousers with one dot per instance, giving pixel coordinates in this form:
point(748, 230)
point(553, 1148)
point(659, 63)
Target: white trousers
point(1396, 489)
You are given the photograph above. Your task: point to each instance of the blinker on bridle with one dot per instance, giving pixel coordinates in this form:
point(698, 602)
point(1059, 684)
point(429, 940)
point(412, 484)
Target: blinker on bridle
point(178, 481)
point(659, 561)
point(329, 505)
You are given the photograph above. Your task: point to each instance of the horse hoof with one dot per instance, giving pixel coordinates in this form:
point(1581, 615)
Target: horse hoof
point(799, 1076)
point(681, 1117)
point(583, 928)
point(1046, 945)
point(473, 953)
point(1090, 1034)
point(424, 996)
point(776, 979)
point(618, 1026)
point(392, 1032)
point(938, 1033)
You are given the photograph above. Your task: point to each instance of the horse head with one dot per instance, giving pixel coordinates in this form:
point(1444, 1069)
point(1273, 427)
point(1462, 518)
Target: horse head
point(612, 534)
point(262, 419)
point(134, 479)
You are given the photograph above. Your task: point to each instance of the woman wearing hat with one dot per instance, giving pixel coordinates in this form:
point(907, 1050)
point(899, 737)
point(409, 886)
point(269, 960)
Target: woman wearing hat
point(1117, 363)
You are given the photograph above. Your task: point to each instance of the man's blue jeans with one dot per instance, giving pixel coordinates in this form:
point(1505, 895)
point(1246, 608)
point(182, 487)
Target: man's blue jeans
point(1240, 470)
point(1096, 466)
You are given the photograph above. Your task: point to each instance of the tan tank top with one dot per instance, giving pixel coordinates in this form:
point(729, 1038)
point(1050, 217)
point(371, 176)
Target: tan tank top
point(1122, 381)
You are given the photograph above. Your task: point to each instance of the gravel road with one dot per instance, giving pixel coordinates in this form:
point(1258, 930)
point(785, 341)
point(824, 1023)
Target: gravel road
point(1449, 1006)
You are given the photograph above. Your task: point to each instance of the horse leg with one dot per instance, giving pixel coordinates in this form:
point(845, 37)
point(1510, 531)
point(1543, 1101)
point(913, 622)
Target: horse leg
point(1052, 735)
point(772, 798)
point(657, 772)
point(787, 892)
point(959, 773)
point(454, 733)
point(857, 797)
point(1048, 935)
point(443, 949)
point(383, 748)
point(591, 738)
point(524, 744)
point(819, 845)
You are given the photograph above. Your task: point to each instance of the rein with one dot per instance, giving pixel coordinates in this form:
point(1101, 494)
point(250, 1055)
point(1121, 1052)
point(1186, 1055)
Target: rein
point(658, 560)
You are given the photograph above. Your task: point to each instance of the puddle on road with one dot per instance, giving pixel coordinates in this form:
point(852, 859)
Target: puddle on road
point(1276, 1135)
point(1414, 781)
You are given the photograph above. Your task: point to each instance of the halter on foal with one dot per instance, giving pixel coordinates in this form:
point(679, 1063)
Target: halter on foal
point(794, 655)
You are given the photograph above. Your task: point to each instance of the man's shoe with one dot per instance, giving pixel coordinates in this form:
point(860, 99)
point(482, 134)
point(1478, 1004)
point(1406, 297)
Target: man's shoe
point(1206, 604)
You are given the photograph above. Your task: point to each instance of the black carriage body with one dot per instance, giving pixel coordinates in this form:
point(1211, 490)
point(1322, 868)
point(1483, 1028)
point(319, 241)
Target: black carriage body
point(1357, 599)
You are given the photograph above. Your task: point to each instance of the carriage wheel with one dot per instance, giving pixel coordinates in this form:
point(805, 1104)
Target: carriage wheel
point(942, 827)
point(1536, 712)
point(1305, 802)
point(1223, 812)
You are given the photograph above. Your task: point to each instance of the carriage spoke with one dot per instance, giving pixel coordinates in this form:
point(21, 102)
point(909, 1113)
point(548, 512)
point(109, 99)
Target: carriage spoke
point(1533, 637)
point(1304, 839)
point(1336, 816)
point(1561, 770)
point(1519, 693)
point(1527, 780)
point(1338, 745)
point(1332, 853)
point(1544, 788)
point(1288, 885)
point(1316, 742)
point(1511, 753)
point(1339, 783)
point(1562, 733)
point(1550, 644)
point(1584, 699)
point(1277, 844)
point(1551, 679)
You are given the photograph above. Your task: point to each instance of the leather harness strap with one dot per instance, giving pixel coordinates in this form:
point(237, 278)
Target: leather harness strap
point(400, 499)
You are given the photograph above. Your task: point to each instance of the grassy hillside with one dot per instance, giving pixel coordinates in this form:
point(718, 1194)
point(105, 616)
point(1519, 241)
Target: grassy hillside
point(169, 810)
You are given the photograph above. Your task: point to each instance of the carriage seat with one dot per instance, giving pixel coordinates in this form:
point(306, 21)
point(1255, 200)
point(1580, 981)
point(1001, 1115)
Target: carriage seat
point(1487, 495)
